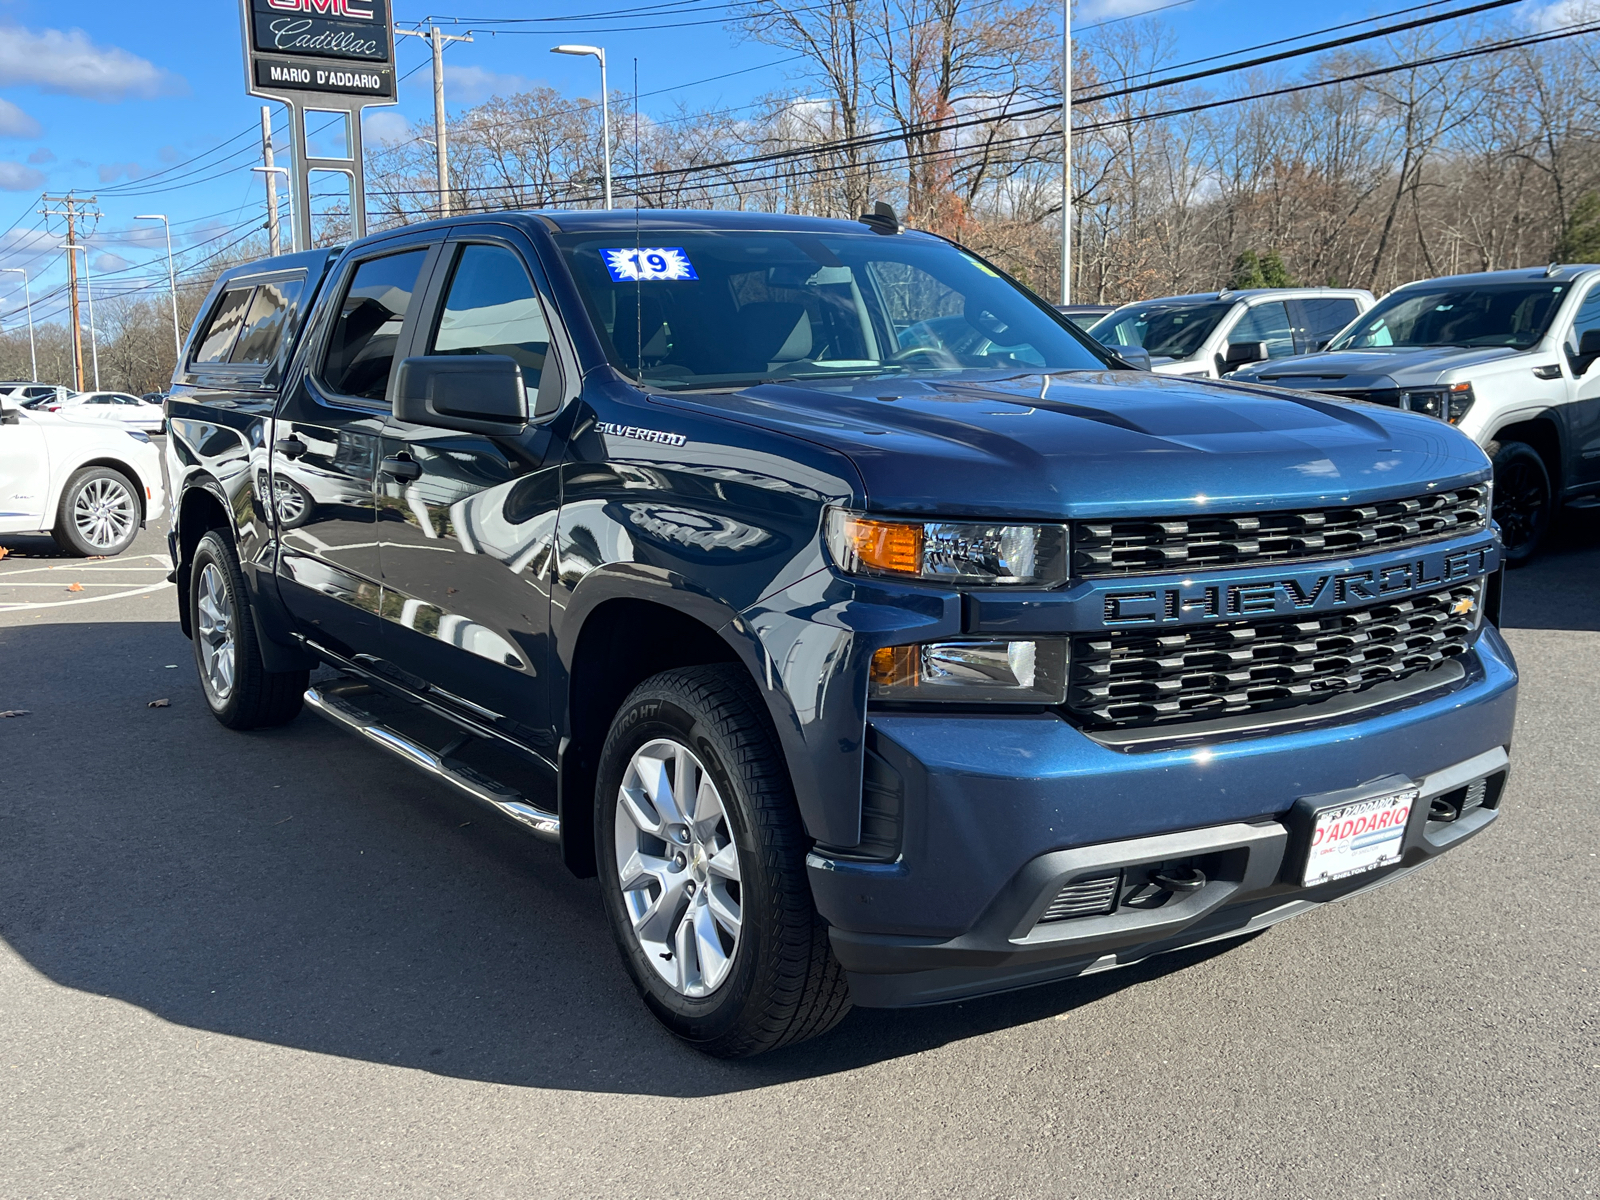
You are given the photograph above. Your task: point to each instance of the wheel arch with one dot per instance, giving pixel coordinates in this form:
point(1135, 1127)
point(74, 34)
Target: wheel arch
point(619, 630)
point(116, 464)
point(1542, 431)
point(201, 508)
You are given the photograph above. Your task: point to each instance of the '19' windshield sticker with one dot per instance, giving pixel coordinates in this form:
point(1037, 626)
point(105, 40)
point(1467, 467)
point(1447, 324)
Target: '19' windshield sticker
point(661, 262)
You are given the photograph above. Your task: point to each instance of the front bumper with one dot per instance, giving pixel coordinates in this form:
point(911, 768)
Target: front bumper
point(985, 848)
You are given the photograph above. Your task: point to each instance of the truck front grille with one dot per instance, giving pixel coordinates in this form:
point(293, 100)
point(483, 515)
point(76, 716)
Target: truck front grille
point(1124, 678)
point(1130, 547)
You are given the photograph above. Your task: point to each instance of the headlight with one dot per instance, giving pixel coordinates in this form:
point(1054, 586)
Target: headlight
point(964, 672)
point(137, 435)
point(949, 551)
point(1448, 403)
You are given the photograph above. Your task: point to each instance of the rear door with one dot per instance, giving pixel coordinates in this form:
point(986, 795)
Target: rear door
point(24, 472)
point(466, 521)
point(326, 437)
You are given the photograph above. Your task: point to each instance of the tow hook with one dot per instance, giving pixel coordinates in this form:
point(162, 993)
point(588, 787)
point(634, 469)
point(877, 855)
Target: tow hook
point(1179, 879)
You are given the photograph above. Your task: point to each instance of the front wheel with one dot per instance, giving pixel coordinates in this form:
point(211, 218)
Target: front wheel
point(702, 866)
point(1523, 498)
point(98, 514)
point(239, 690)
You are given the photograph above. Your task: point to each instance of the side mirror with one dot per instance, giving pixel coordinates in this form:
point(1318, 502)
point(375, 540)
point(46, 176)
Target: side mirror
point(10, 416)
point(1136, 356)
point(1241, 353)
point(1320, 344)
point(473, 393)
point(1588, 351)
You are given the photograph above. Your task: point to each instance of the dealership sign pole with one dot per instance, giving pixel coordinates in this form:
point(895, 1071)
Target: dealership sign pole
point(334, 56)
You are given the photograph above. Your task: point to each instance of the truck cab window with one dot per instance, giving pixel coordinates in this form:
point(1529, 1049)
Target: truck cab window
point(491, 308)
point(1267, 323)
point(224, 328)
point(263, 328)
point(367, 329)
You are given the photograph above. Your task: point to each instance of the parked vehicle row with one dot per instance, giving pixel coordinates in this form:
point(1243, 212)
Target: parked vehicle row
point(90, 484)
point(1503, 355)
point(874, 634)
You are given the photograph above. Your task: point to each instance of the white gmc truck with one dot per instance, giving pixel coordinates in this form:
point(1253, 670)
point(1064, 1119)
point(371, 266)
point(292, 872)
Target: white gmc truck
point(1504, 355)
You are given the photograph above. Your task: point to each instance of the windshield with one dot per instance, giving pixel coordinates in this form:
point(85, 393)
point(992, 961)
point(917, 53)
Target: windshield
point(712, 309)
point(1165, 330)
point(1509, 315)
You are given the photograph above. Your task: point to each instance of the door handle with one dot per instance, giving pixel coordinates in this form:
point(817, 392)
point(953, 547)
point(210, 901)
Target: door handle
point(289, 447)
point(402, 467)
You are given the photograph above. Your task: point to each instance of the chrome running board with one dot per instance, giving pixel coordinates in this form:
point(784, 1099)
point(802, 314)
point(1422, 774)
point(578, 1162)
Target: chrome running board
point(328, 702)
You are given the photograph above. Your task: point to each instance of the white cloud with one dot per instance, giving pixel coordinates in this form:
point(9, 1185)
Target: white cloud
point(1109, 10)
point(106, 262)
point(68, 63)
point(384, 126)
point(16, 123)
point(473, 85)
point(42, 155)
point(1545, 17)
point(14, 177)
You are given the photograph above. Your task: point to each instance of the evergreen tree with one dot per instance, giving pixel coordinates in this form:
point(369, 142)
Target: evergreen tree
point(1580, 240)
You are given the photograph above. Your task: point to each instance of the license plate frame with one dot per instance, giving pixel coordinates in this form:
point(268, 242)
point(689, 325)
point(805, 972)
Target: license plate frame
point(1356, 836)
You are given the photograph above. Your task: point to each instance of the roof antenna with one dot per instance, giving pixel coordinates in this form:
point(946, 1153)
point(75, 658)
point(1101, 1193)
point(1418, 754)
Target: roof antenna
point(881, 219)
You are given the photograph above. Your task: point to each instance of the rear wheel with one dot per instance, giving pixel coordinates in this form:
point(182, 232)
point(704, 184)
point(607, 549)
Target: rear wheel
point(98, 513)
point(1523, 498)
point(238, 688)
point(702, 866)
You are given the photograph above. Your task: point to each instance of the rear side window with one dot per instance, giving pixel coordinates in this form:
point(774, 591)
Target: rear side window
point(264, 325)
point(367, 329)
point(220, 334)
point(1321, 319)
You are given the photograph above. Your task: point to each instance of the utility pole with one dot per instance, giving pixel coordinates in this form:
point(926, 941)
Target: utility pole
point(1066, 151)
point(271, 179)
point(440, 154)
point(74, 209)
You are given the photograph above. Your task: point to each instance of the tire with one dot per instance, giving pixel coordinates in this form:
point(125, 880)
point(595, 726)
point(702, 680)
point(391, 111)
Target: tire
point(1524, 501)
point(239, 690)
point(773, 980)
point(99, 513)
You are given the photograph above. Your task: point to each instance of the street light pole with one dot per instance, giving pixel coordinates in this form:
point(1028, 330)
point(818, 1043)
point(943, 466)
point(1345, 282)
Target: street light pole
point(172, 282)
point(1066, 151)
point(440, 154)
point(605, 105)
point(27, 298)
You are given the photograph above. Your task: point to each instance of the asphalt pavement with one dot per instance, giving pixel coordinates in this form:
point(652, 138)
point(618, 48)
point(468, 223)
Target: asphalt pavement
point(282, 964)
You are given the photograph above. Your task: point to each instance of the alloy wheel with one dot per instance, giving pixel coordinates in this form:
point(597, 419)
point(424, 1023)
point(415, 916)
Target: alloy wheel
point(214, 619)
point(678, 867)
point(104, 512)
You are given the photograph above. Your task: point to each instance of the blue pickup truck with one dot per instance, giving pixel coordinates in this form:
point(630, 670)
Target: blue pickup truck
point(877, 637)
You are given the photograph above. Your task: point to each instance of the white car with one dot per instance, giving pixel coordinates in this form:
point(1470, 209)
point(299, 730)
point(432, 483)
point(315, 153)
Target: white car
point(113, 406)
point(1215, 333)
point(90, 484)
point(1506, 356)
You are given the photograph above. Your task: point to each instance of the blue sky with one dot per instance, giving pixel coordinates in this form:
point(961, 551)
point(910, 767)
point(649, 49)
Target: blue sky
point(107, 102)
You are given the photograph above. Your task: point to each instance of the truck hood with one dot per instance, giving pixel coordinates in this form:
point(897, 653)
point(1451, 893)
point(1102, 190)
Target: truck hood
point(1376, 368)
point(1106, 443)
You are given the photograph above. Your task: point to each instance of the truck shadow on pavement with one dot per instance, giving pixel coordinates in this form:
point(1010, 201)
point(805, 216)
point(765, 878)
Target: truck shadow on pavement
point(1560, 589)
point(295, 887)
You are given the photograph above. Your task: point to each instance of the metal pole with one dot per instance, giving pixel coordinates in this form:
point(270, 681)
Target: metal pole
point(172, 281)
point(271, 181)
point(94, 340)
point(27, 297)
point(1066, 151)
point(605, 105)
point(300, 203)
point(605, 124)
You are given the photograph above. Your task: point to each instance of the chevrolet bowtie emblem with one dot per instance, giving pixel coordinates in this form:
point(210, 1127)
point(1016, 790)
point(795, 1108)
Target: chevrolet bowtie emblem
point(1462, 606)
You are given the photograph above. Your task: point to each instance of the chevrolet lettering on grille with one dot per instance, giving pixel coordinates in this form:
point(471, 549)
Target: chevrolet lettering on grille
point(1288, 594)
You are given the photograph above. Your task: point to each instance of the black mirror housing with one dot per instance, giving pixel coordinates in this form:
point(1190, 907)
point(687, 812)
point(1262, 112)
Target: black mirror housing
point(1240, 353)
point(473, 393)
point(1135, 356)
